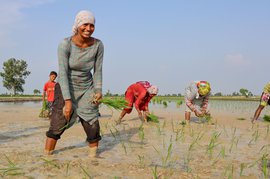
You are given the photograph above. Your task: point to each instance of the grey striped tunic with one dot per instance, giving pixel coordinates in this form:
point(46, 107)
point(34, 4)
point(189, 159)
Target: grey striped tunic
point(76, 66)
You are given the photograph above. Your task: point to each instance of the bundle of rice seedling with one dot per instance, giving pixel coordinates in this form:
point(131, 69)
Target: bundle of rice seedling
point(165, 104)
point(266, 118)
point(207, 117)
point(152, 118)
point(44, 110)
point(117, 104)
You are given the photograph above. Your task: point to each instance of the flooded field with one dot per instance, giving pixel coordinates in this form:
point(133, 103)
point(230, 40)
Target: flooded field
point(226, 147)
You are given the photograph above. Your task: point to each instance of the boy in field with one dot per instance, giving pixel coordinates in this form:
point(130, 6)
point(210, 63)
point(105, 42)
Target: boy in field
point(48, 90)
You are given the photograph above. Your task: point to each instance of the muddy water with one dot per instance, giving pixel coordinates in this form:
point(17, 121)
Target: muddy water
point(167, 149)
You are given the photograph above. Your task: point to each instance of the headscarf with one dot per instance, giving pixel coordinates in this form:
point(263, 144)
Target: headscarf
point(83, 17)
point(152, 90)
point(203, 88)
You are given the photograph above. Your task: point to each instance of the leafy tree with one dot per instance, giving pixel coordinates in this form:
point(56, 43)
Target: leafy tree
point(218, 94)
point(36, 91)
point(244, 92)
point(14, 75)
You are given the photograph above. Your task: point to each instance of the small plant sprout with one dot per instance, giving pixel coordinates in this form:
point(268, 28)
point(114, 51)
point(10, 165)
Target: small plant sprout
point(264, 165)
point(213, 143)
point(178, 103)
point(141, 133)
point(165, 104)
point(266, 118)
point(141, 161)
point(85, 172)
point(255, 137)
point(242, 167)
point(154, 172)
point(11, 170)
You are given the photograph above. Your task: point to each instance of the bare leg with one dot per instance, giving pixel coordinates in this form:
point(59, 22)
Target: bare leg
point(257, 113)
point(187, 116)
point(93, 149)
point(123, 113)
point(50, 146)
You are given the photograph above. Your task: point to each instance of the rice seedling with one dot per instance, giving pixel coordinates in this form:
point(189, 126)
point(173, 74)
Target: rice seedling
point(233, 140)
point(207, 117)
point(255, 137)
point(67, 168)
point(180, 134)
point(85, 172)
point(267, 131)
point(264, 165)
point(165, 104)
point(187, 160)
point(154, 172)
point(117, 104)
point(213, 143)
point(141, 161)
point(11, 169)
point(242, 167)
point(152, 118)
point(44, 112)
point(266, 118)
point(50, 162)
point(141, 133)
point(124, 146)
point(165, 158)
point(195, 141)
point(164, 124)
point(178, 103)
point(229, 171)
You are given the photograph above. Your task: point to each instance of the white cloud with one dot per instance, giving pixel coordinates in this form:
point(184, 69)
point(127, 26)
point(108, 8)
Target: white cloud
point(236, 59)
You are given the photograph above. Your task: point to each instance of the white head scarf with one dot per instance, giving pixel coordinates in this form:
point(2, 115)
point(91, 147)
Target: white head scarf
point(83, 17)
point(152, 89)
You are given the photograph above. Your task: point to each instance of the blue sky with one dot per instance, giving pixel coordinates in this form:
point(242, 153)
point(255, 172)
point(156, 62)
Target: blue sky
point(169, 43)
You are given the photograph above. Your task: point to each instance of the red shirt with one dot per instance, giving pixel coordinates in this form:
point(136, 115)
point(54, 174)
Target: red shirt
point(140, 94)
point(49, 89)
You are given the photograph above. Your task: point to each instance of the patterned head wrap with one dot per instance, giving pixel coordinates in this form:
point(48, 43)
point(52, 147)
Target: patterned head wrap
point(153, 89)
point(203, 88)
point(83, 17)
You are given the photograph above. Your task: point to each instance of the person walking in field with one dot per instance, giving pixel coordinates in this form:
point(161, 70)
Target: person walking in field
point(265, 100)
point(78, 91)
point(196, 98)
point(48, 91)
point(139, 93)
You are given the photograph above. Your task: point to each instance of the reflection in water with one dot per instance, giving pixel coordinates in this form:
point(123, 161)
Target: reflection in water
point(21, 104)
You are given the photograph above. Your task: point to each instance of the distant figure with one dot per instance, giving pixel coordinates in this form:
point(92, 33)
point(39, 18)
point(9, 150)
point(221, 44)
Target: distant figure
point(139, 93)
point(265, 100)
point(48, 90)
point(196, 98)
point(78, 90)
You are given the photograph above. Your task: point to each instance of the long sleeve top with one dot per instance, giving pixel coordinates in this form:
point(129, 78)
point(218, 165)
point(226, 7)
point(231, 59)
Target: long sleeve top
point(191, 93)
point(75, 76)
point(266, 88)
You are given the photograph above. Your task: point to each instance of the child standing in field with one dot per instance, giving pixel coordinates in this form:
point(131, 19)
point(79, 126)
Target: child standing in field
point(139, 93)
point(48, 90)
point(196, 98)
point(265, 100)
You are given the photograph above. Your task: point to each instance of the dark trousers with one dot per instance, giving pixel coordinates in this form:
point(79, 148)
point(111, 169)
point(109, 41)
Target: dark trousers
point(58, 120)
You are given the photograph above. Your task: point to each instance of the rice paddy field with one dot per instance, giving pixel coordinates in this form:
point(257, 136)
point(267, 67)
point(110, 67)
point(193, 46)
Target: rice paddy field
point(228, 146)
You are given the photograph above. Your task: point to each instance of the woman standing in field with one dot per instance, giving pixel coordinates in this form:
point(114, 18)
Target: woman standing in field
point(196, 98)
point(139, 93)
point(79, 90)
point(265, 100)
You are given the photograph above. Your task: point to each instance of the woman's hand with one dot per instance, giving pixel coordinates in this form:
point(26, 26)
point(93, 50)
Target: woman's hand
point(140, 115)
point(198, 113)
point(97, 97)
point(67, 109)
